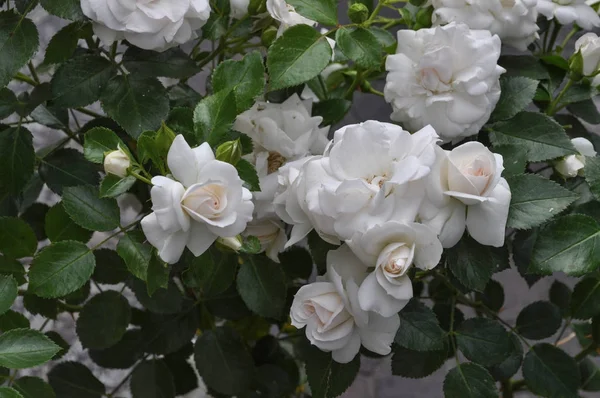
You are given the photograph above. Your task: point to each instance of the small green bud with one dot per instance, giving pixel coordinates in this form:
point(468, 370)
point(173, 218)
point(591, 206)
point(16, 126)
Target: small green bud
point(230, 152)
point(406, 17)
point(234, 243)
point(576, 66)
point(268, 36)
point(164, 138)
point(358, 13)
point(257, 7)
point(423, 17)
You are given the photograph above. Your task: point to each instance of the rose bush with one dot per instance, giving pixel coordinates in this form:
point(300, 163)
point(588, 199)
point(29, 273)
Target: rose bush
point(180, 181)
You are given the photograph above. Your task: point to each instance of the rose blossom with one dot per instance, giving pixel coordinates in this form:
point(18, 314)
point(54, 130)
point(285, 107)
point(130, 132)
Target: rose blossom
point(370, 173)
point(567, 12)
point(465, 190)
point(333, 318)
point(573, 165)
point(151, 25)
point(239, 8)
point(446, 77)
point(285, 13)
point(280, 133)
point(203, 200)
point(392, 248)
point(514, 21)
point(117, 163)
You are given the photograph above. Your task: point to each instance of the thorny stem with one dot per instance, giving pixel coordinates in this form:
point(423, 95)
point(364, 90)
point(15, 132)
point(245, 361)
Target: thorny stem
point(552, 107)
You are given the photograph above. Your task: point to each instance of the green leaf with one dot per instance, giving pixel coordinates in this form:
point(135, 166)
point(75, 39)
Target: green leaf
point(300, 54)
point(13, 268)
point(17, 159)
point(585, 301)
point(59, 226)
point(417, 364)
point(539, 320)
point(136, 104)
point(33, 387)
point(67, 9)
point(184, 376)
point(507, 368)
point(80, 81)
point(122, 355)
point(560, 296)
point(158, 275)
point(113, 186)
point(483, 341)
point(535, 200)
point(18, 42)
point(48, 308)
point(493, 296)
point(296, 262)
point(100, 140)
point(516, 93)
point(13, 320)
point(550, 372)
point(322, 11)
point(103, 320)
point(214, 116)
point(7, 392)
point(261, 283)
point(360, 45)
point(542, 137)
point(63, 44)
point(163, 301)
point(523, 65)
point(327, 378)
point(585, 110)
point(590, 375)
point(592, 174)
point(318, 250)
point(8, 292)
point(223, 361)
point(172, 63)
point(331, 110)
point(385, 38)
point(8, 102)
point(469, 380)
point(17, 239)
point(214, 271)
point(67, 168)
point(420, 329)
point(135, 253)
point(25, 348)
point(471, 263)
point(152, 379)
point(60, 269)
point(246, 78)
point(88, 210)
point(72, 379)
point(568, 244)
point(248, 174)
point(110, 268)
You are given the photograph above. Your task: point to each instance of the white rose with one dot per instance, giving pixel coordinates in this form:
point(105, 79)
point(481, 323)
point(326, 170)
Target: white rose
point(572, 165)
point(588, 46)
point(567, 12)
point(446, 77)
point(370, 173)
point(333, 319)
point(204, 200)
point(271, 234)
point(285, 13)
point(468, 176)
point(117, 163)
point(280, 133)
point(514, 21)
point(151, 25)
point(239, 8)
point(392, 248)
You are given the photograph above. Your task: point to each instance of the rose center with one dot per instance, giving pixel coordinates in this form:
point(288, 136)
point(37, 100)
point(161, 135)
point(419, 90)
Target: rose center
point(205, 200)
point(479, 174)
point(508, 3)
point(396, 258)
point(430, 79)
point(274, 161)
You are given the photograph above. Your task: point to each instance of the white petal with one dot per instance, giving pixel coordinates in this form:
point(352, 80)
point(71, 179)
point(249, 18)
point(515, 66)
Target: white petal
point(373, 297)
point(486, 222)
point(182, 162)
point(379, 334)
point(200, 239)
point(349, 351)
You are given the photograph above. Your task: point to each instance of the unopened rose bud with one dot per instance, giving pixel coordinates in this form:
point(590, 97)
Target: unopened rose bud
point(358, 13)
point(117, 162)
point(268, 36)
point(586, 61)
point(230, 152)
point(234, 243)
